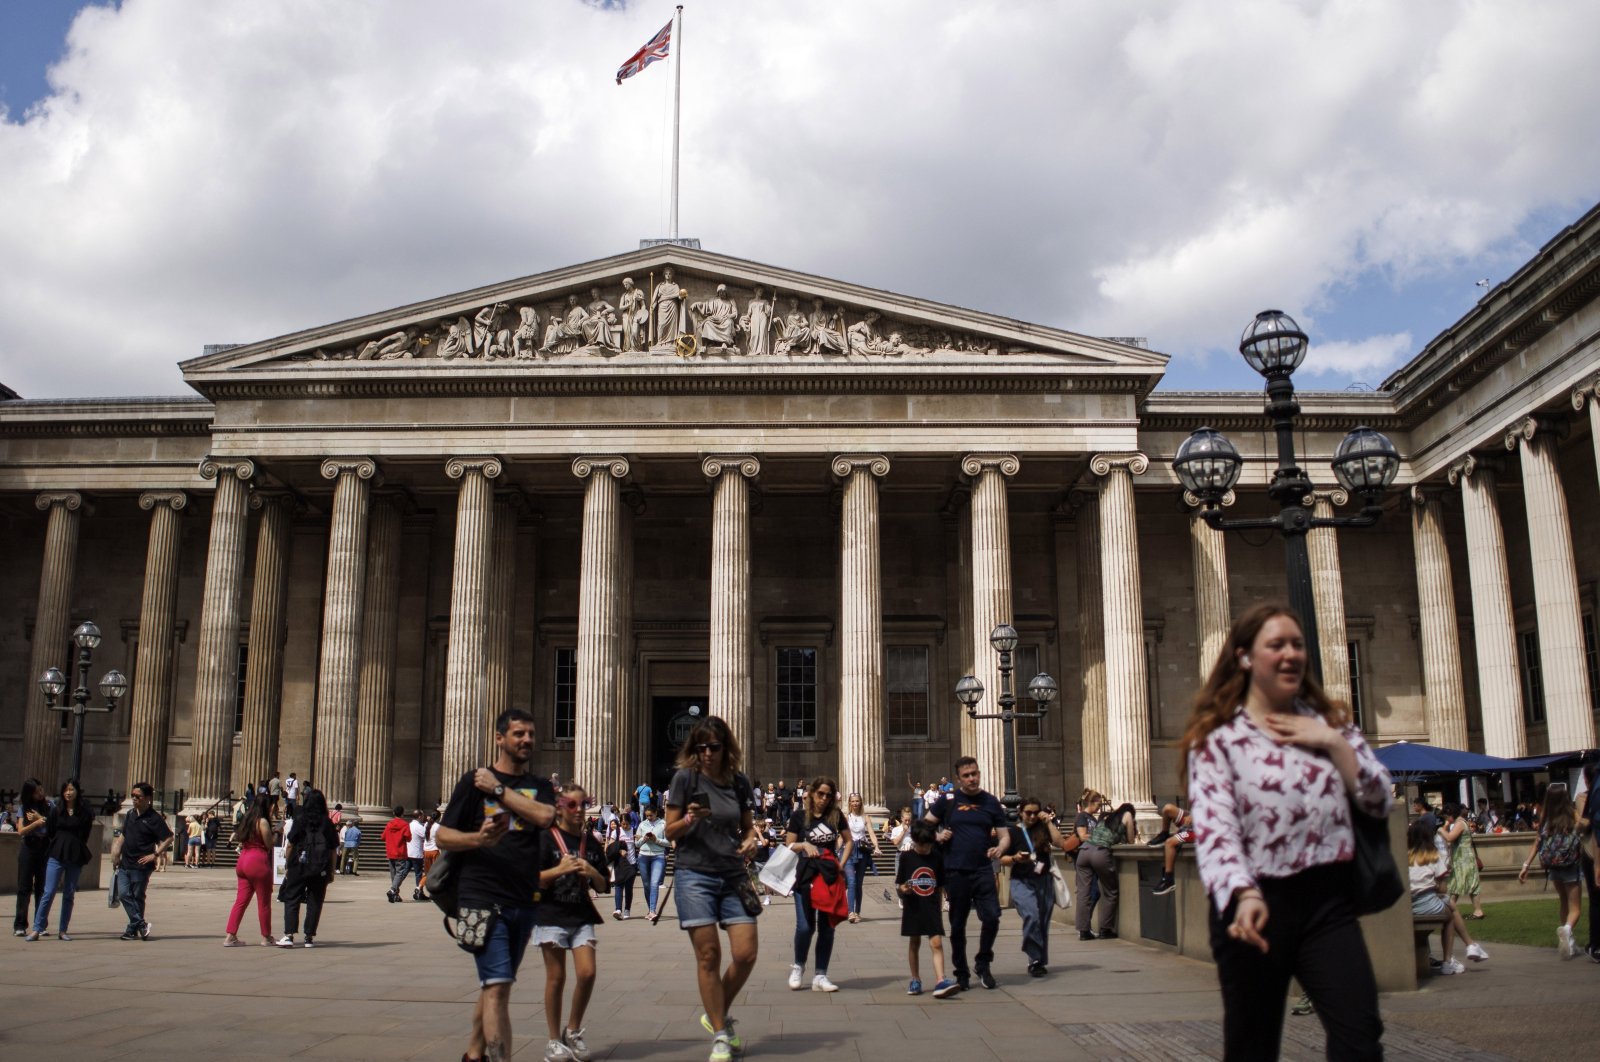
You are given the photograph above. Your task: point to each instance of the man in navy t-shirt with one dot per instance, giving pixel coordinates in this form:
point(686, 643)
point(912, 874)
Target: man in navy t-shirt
point(972, 829)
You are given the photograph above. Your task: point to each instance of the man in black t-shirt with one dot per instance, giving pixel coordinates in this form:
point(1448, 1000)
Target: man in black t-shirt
point(145, 835)
point(494, 820)
point(972, 829)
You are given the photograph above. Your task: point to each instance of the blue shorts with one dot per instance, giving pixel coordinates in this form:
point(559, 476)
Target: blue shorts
point(706, 899)
point(502, 953)
point(568, 939)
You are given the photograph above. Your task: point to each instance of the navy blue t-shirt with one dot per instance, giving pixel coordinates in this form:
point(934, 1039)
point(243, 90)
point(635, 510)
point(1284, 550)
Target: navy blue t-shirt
point(972, 821)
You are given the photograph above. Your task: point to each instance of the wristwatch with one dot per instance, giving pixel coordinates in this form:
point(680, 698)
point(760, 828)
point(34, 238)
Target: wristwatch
point(499, 790)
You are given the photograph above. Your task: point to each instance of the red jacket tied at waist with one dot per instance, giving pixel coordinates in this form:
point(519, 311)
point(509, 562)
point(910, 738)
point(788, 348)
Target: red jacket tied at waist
point(828, 890)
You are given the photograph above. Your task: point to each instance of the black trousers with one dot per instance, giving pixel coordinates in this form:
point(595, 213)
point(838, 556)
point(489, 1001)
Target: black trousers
point(1594, 898)
point(967, 889)
point(1312, 935)
point(315, 890)
point(30, 881)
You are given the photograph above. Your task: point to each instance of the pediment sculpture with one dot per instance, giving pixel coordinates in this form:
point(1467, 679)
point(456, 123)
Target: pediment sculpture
point(693, 317)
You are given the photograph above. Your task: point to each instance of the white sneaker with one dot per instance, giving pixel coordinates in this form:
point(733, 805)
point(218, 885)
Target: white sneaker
point(556, 1051)
point(820, 983)
point(766, 901)
point(286, 942)
point(796, 975)
point(1451, 967)
point(576, 1044)
point(1476, 953)
point(1564, 942)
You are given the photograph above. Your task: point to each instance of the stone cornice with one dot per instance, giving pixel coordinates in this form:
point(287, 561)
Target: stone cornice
point(106, 416)
point(1245, 411)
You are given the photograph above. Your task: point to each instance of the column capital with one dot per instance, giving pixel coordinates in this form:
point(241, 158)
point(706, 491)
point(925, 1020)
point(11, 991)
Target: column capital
point(173, 499)
point(1586, 393)
point(1422, 495)
point(1524, 430)
point(977, 464)
point(1134, 463)
point(1198, 506)
point(583, 467)
point(488, 465)
point(242, 468)
point(712, 465)
point(844, 464)
point(260, 499)
point(1336, 496)
point(1471, 464)
point(70, 500)
point(363, 467)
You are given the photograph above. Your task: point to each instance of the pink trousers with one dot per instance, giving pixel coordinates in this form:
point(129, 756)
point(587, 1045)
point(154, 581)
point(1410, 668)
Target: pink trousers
point(255, 877)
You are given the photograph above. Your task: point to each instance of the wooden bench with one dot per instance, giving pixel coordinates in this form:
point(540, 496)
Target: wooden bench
point(1422, 927)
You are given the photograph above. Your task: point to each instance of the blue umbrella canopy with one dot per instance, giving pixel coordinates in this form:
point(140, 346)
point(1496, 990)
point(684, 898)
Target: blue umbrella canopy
point(1409, 757)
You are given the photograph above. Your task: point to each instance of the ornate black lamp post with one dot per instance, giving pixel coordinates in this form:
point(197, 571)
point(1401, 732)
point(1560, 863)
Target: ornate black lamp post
point(1043, 689)
point(1364, 464)
point(113, 685)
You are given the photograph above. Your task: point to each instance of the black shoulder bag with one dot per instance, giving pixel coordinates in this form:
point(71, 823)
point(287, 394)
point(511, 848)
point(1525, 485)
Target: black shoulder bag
point(1377, 883)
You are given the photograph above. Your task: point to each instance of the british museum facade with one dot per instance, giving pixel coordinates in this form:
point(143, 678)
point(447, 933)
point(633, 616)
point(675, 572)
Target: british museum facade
point(672, 482)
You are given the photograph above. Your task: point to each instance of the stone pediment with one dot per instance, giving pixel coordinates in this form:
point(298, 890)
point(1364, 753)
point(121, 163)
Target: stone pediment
point(665, 307)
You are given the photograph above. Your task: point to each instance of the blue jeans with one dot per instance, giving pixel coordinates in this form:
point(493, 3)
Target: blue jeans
point(131, 886)
point(807, 924)
point(707, 899)
point(854, 870)
point(1034, 897)
point(652, 869)
point(58, 878)
point(502, 953)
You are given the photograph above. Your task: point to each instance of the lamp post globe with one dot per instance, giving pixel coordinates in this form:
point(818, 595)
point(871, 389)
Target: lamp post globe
point(1043, 690)
point(1365, 463)
point(87, 636)
point(1207, 465)
point(969, 691)
point(1273, 344)
point(53, 683)
point(113, 685)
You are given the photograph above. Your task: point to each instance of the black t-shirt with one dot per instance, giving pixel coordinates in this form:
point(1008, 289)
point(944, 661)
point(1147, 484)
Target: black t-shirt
point(971, 820)
point(1084, 821)
point(819, 832)
point(925, 875)
point(141, 834)
point(508, 873)
point(565, 902)
point(1027, 864)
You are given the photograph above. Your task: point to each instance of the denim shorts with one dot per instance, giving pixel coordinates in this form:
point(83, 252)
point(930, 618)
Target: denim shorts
point(502, 953)
point(1428, 903)
point(706, 899)
point(1566, 876)
point(563, 937)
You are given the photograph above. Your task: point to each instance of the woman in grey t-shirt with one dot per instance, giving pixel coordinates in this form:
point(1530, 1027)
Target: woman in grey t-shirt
point(710, 824)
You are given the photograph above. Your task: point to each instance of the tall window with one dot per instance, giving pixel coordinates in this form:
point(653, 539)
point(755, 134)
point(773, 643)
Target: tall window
point(797, 694)
point(238, 687)
point(906, 687)
point(565, 725)
point(1532, 678)
point(1352, 652)
point(1027, 664)
point(1591, 662)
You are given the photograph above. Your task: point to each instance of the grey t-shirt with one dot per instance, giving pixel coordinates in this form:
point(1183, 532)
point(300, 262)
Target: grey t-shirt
point(711, 846)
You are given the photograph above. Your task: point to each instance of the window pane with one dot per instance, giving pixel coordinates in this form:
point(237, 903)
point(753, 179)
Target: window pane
point(1353, 652)
point(1532, 678)
point(1591, 662)
point(238, 693)
point(796, 694)
point(1027, 657)
point(566, 695)
point(906, 690)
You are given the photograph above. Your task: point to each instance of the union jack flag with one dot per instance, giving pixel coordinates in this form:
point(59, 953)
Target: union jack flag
point(656, 48)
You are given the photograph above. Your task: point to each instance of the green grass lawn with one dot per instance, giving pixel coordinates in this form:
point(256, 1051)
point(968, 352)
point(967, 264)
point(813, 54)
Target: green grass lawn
point(1523, 922)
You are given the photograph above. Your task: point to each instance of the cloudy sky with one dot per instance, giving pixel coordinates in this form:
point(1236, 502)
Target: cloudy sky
point(176, 173)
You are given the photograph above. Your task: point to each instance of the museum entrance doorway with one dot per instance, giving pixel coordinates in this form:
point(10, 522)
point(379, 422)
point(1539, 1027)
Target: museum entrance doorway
point(671, 719)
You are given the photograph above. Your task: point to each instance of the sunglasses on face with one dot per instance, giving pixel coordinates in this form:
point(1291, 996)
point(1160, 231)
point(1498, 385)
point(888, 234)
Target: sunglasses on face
point(709, 746)
point(826, 794)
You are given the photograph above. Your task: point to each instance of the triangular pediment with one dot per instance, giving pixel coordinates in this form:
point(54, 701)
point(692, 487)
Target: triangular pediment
point(666, 306)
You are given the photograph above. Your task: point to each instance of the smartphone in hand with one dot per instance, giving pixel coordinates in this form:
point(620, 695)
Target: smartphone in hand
point(699, 796)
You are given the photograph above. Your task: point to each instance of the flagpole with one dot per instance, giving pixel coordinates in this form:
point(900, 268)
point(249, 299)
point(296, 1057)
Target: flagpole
point(677, 95)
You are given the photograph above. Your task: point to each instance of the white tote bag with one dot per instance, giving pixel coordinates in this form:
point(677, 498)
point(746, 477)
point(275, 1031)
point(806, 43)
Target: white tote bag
point(779, 872)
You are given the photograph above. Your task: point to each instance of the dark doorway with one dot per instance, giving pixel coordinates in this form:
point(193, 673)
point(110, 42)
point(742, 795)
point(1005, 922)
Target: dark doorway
point(671, 719)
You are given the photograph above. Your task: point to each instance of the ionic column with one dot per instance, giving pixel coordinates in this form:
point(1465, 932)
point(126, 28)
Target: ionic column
point(991, 594)
point(339, 670)
point(263, 675)
point(1589, 394)
point(158, 615)
point(1208, 547)
point(1127, 687)
point(464, 725)
point(633, 755)
point(1436, 611)
point(861, 722)
point(1092, 644)
point(217, 667)
point(52, 630)
point(1327, 588)
point(599, 667)
point(1493, 625)
point(731, 693)
point(508, 506)
point(379, 630)
point(1555, 588)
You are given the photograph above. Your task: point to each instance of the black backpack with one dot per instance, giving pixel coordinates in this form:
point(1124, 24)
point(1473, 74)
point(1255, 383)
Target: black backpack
point(313, 853)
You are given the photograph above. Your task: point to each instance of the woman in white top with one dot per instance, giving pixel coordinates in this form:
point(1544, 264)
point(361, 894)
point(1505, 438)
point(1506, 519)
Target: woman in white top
point(1430, 876)
point(862, 848)
point(1274, 769)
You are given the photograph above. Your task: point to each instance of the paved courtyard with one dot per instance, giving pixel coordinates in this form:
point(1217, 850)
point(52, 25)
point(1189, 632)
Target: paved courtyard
point(387, 984)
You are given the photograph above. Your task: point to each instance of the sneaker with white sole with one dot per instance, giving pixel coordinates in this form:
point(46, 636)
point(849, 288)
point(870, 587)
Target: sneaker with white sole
point(946, 988)
point(915, 988)
point(1565, 945)
point(721, 1048)
point(286, 941)
point(797, 975)
point(1476, 953)
point(1451, 967)
point(730, 1032)
point(556, 1051)
point(820, 983)
point(573, 1038)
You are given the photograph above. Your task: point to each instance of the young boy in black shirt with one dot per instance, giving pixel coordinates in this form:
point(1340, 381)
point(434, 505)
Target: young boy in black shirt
point(919, 878)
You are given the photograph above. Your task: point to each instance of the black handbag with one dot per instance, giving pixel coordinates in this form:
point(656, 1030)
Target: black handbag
point(1377, 883)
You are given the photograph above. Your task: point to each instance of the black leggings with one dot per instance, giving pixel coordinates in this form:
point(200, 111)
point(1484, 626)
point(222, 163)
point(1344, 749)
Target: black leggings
point(1313, 936)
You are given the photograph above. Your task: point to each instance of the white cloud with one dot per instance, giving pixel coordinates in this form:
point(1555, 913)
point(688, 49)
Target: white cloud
point(234, 170)
point(1368, 360)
